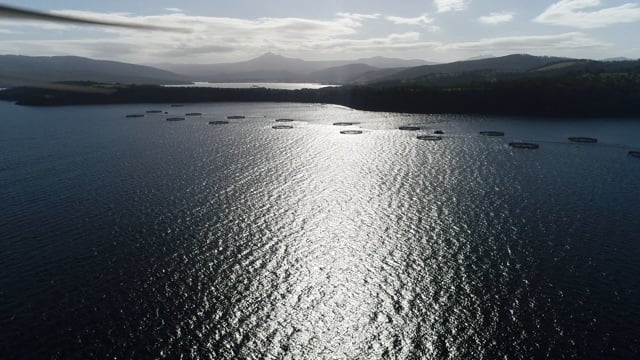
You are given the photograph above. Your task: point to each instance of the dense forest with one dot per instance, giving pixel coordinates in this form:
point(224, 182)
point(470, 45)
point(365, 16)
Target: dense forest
point(579, 93)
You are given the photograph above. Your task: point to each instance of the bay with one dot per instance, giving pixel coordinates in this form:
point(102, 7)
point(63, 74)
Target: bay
point(144, 238)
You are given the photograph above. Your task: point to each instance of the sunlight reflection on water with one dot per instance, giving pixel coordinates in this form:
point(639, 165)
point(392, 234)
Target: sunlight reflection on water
point(241, 241)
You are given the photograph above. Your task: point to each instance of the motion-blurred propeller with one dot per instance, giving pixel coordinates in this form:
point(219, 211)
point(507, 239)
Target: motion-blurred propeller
point(28, 14)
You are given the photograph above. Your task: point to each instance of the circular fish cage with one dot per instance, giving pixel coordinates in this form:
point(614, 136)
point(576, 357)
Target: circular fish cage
point(175, 119)
point(282, 127)
point(523, 145)
point(345, 123)
point(218, 122)
point(351, 132)
point(492, 133)
point(409, 128)
point(284, 120)
point(429, 137)
point(582, 139)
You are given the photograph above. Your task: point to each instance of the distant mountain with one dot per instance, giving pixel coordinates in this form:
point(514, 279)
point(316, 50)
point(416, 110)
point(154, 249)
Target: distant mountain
point(279, 68)
point(275, 68)
point(341, 74)
point(268, 67)
point(481, 57)
point(506, 68)
point(375, 76)
point(268, 62)
point(386, 63)
point(509, 63)
point(16, 68)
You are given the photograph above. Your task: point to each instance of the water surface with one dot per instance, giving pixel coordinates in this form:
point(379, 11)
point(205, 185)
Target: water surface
point(142, 238)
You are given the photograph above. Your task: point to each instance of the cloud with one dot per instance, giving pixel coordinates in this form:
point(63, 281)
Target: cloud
point(545, 43)
point(496, 18)
point(423, 20)
point(229, 48)
point(22, 23)
point(6, 31)
point(569, 13)
point(154, 51)
point(451, 5)
point(355, 20)
point(224, 39)
point(212, 39)
point(178, 51)
point(216, 26)
point(409, 40)
point(358, 17)
point(174, 9)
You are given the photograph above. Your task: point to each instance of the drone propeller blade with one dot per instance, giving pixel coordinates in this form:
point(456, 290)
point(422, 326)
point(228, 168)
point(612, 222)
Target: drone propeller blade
point(27, 14)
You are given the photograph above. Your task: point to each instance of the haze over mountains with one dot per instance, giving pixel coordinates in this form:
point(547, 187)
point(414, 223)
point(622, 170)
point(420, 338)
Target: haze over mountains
point(274, 68)
point(266, 68)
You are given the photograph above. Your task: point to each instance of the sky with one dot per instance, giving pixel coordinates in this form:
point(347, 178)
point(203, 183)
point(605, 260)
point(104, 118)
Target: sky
point(229, 31)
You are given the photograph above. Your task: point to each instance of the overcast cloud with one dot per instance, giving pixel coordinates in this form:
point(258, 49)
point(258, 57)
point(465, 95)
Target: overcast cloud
point(439, 30)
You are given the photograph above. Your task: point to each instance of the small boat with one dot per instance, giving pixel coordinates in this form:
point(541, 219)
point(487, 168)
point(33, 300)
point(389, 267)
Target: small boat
point(175, 119)
point(282, 127)
point(193, 114)
point(284, 120)
point(344, 123)
point(634, 153)
point(492, 133)
point(429, 137)
point(135, 115)
point(154, 111)
point(523, 145)
point(218, 122)
point(581, 139)
point(235, 117)
point(351, 132)
point(438, 132)
point(409, 128)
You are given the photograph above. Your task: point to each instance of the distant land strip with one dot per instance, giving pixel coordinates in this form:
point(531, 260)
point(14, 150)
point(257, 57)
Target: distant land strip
point(572, 95)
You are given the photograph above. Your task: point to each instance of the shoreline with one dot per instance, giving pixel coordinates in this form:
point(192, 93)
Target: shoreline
point(543, 100)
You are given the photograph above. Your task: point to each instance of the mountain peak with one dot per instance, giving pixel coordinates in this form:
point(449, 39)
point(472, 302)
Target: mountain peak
point(269, 55)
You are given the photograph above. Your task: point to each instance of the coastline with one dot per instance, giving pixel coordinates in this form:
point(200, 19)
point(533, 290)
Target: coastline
point(541, 98)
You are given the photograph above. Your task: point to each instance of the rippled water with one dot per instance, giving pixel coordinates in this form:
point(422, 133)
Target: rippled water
point(142, 238)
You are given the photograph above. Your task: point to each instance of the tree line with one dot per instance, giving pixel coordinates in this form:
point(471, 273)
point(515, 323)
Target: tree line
point(570, 94)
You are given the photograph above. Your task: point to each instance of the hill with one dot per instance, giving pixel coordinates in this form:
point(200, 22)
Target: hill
point(16, 69)
point(272, 67)
point(574, 94)
point(342, 74)
point(516, 63)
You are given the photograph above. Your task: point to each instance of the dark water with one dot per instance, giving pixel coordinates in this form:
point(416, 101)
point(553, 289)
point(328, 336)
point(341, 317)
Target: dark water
point(141, 238)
